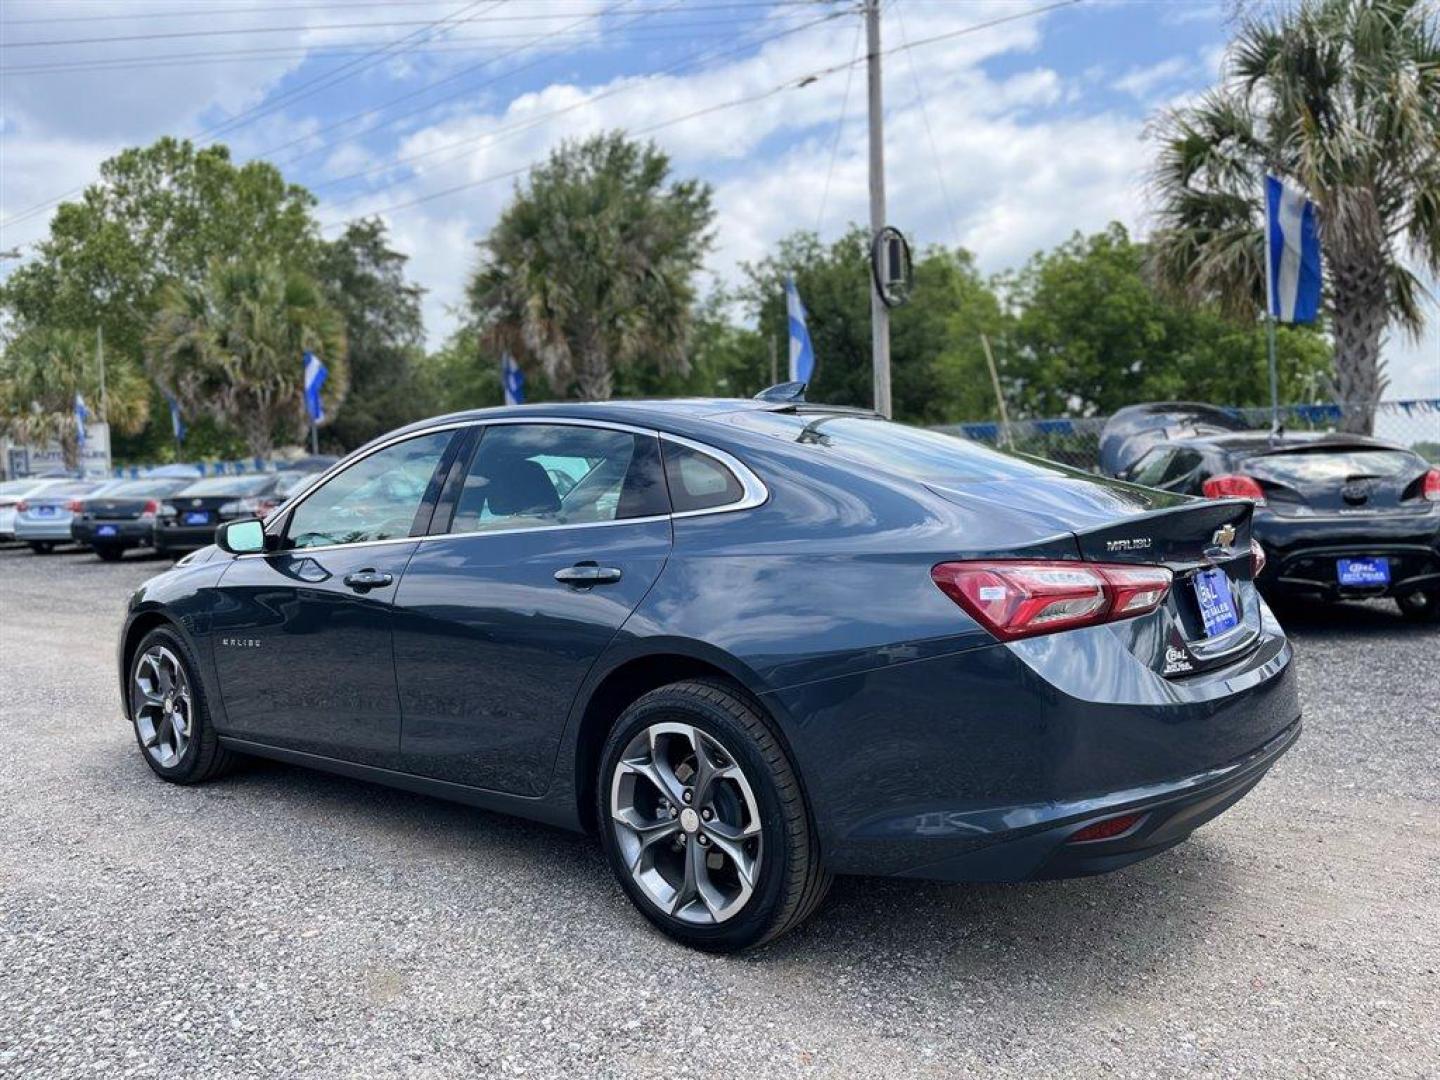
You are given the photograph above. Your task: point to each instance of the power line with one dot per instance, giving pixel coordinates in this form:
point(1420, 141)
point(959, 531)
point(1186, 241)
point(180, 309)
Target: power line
point(491, 136)
point(839, 129)
point(929, 131)
point(795, 82)
point(305, 89)
point(209, 12)
point(245, 31)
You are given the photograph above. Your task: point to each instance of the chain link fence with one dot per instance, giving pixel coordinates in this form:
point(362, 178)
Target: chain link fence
point(1076, 442)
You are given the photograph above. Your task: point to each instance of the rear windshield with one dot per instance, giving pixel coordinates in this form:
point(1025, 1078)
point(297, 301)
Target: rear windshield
point(59, 491)
point(232, 485)
point(146, 487)
point(1319, 466)
point(931, 456)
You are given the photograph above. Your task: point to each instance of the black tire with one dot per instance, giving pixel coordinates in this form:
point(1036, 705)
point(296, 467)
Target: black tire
point(110, 552)
point(42, 547)
point(203, 758)
point(792, 880)
point(1420, 606)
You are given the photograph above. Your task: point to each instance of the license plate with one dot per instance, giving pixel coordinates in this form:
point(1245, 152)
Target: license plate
point(197, 517)
point(1363, 571)
point(105, 530)
point(1217, 602)
point(44, 511)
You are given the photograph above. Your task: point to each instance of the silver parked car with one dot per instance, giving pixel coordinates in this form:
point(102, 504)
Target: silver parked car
point(13, 491)
point(43, 517)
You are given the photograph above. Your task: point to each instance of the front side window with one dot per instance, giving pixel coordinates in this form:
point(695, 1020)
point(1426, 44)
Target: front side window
point(377, 498)
point(534, 475)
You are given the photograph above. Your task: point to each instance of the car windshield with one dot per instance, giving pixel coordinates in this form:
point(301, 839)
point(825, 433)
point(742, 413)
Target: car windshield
point(931, 456)
point(232, 485)
point(1320, 466)
point(146, 488)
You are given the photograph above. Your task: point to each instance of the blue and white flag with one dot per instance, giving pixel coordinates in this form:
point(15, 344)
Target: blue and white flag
point(176, 424)
point(81, 415)
point(802, 353)
point(1292, 254)
point(315, 375)
point(512, 379)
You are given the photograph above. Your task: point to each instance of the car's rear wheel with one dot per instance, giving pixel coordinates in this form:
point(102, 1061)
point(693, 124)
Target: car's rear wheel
point(42, 547)
point(110, 552)
point(1422, 605)
point(703, 819)
point(170, 713)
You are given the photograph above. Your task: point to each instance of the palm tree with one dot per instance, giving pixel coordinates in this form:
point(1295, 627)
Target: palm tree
point(41, 372)
point(592, 265)
point(1342, 97)
point(231, 346)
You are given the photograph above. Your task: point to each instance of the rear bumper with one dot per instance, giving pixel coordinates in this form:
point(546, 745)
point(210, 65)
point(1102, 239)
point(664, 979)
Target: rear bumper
point(128, 533)
point(1302, 553)
point(58, 530)
point(1170, 813)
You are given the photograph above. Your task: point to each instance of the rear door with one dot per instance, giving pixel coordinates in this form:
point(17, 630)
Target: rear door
point(548, 538)
point(303, 637)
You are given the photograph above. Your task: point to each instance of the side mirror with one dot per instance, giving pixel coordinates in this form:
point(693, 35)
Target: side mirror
point(244, 537)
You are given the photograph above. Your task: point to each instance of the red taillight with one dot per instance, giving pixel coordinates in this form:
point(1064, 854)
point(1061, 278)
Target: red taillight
point(21, 506)
point(1024, 598)
point(1106, 830)
point(75, 506)
point(152, 507)
point(1430, 486)
point(1257, 559)
point(1234, 486)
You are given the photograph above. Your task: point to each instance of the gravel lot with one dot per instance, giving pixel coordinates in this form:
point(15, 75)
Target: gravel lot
point(285, 923)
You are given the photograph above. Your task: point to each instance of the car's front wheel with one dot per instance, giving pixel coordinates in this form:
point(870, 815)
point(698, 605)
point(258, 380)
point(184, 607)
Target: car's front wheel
point(703, 819)
point(170, 713)
point(1421, 605)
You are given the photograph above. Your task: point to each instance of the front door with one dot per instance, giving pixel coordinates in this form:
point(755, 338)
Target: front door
point(556, 534)
point(303, 635)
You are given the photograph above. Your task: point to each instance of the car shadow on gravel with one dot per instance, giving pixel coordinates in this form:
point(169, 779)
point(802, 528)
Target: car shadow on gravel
point(1056, 933)
point(1362, 619)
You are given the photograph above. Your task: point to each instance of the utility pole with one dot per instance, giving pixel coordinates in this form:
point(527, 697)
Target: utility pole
point(879, 312)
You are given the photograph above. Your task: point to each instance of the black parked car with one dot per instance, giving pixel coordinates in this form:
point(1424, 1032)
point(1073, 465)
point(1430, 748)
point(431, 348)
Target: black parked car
point(188, 520)
point(1338, 516)
point(122, 517)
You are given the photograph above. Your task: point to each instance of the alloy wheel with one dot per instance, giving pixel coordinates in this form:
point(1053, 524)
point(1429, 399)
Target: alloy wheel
point(686, 823)
point(161, 704)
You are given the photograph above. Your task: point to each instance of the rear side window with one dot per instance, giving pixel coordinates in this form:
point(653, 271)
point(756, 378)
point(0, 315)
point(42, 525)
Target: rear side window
point(526, 476)
point(698, 481)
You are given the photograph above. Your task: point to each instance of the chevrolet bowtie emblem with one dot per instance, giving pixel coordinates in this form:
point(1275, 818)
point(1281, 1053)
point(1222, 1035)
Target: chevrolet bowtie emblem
point(1224, 536)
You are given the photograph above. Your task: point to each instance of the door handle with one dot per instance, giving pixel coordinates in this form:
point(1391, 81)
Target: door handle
point(584, 575)
point(365, 580)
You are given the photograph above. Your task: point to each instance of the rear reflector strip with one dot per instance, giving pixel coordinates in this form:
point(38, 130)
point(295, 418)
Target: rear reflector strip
point(1107, 829)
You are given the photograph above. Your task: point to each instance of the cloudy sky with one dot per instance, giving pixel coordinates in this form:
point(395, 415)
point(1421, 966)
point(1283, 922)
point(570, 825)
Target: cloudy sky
point(1003, 137)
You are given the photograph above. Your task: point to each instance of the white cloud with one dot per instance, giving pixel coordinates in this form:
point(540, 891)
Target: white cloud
point(1142, 82)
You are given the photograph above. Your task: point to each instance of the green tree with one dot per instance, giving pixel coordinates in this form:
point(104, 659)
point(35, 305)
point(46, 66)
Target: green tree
point(230, 346)
point(1092, 333)
point(937, 360)
point(364, 280)
point(41, 372)
point(1343, 98)
point(590, 270)
point(158, 214)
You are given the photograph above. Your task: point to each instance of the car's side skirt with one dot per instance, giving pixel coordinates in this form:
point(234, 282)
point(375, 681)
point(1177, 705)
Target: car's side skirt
point(541, 809)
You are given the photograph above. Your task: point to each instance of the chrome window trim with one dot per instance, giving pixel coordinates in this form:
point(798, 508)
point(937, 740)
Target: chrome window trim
point(754, 491)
